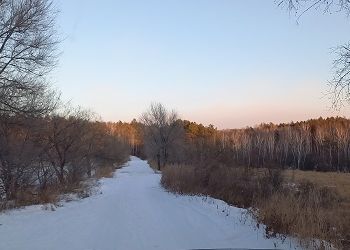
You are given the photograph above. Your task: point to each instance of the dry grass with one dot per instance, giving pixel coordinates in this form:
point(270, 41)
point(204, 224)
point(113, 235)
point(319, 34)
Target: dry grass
point(237, 186)
point(104, 172)
point(32, 196)
point(50, 195)
point(153, 164)
point(316, 207)
point(107, 171)
point(309, 213)
point(337, 181)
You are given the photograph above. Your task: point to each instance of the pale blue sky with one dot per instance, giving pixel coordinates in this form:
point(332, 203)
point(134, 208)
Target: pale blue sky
point(226, 62)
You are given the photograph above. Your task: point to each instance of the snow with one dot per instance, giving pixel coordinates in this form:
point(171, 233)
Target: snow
point(132, 211)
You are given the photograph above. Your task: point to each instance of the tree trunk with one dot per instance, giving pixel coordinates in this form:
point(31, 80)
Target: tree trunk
point(158, 161)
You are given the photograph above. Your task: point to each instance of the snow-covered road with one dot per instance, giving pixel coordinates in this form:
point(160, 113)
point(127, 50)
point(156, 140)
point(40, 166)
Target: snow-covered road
point(132, 212)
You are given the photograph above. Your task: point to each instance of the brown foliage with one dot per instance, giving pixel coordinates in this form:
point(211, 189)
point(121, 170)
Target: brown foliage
point(309, 212)
point(104, 172)
point(238, 186)
point(306, 211)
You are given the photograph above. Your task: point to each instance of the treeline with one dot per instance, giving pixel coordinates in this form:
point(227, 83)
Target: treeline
point(321, 144)
point(317, 144)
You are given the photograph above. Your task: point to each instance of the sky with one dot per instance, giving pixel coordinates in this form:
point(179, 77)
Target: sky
point(228, 63)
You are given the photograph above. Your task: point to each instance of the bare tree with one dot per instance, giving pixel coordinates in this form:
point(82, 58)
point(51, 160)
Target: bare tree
point(28, 45)
point(300, 7)
point(339, 85)
point(64, 137)
point(161, 129)
point(18, 153)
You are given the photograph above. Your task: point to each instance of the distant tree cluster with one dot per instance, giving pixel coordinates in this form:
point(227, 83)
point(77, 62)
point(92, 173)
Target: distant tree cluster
point(130, 134)
point(201, 143)
point(318, 144)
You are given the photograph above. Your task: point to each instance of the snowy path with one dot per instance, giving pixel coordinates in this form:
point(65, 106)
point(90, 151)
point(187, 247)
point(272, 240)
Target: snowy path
point(133, 212)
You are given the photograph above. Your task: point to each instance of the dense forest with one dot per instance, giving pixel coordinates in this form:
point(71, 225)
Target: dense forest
point(316, 144)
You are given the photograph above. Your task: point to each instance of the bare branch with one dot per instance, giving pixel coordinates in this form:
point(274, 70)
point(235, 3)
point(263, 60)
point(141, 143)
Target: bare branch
point(28, 52)
point(300, 7)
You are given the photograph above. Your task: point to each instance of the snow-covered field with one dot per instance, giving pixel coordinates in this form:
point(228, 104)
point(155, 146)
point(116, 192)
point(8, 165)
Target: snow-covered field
point(133, 212)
